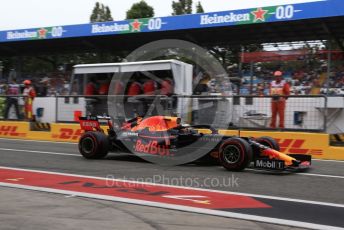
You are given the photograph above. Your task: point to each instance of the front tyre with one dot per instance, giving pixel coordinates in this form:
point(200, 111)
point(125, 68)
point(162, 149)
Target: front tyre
point(94, 145)
point(235, 154)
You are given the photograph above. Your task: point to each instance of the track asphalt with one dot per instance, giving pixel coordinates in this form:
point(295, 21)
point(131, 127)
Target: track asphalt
point(319, 191)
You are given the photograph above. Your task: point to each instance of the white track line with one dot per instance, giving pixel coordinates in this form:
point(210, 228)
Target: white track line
point(42, 152)
point(184, 187)
point(336, 161)
point(179, 207)
point(70, 154)
point(321, 175)
point(58, 142)
point(305, 174)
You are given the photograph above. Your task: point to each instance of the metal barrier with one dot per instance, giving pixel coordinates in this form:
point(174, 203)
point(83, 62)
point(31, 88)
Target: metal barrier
point(302, 113)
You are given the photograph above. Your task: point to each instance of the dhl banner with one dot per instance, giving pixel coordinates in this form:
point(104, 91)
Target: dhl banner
point(66, 132)
point(315, 144)
point(14, 129)
point(292, 142)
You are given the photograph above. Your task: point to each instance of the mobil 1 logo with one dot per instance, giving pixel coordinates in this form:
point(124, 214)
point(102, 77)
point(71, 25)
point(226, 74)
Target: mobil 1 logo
point(269, 164)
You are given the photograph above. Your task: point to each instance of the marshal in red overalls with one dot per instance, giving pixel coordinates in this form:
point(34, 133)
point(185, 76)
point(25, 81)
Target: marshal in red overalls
point(279, 90)
point(29, 94)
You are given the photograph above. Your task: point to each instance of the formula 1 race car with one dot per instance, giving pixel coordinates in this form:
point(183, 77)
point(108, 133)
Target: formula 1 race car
point(165, 137)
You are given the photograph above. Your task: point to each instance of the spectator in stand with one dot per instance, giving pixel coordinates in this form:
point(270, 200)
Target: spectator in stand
point(29, 94)
point(260, 89)
point(13, 89)
point(279, 90)
point(42, 89)
point(205, 85)
point(2, 88)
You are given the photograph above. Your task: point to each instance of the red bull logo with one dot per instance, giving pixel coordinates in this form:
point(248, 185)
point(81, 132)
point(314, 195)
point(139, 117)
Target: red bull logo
point(152, 147)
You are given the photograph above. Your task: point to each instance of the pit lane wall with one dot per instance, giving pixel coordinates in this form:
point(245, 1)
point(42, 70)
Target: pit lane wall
point(315, 144)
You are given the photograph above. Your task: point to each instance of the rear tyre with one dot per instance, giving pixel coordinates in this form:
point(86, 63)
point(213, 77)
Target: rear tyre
point(235, 154)
point(268, 142)
point(94, 145)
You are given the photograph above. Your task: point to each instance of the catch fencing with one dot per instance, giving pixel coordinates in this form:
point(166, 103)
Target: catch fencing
point(302, 113)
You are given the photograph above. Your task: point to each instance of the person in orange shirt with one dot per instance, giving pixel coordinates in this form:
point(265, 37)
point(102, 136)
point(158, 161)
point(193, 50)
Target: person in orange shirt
point(91, 88)
point(134, 89)
point(133, 108)
point(90, 91)
point(104, 88)
point(279, 90)
point(166, 87)
point(149, 87)
point(118, 88)
point(29, 94)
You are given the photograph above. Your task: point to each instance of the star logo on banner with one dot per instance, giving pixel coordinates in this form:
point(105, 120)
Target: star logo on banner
point(259, 14)
point(136, 25)
point(42, 33)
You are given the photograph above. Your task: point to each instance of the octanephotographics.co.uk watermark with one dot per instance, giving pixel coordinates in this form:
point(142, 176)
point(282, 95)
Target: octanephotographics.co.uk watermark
point(231, 181)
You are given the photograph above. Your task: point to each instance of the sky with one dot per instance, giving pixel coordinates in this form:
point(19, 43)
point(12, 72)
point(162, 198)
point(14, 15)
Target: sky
point(24, 14)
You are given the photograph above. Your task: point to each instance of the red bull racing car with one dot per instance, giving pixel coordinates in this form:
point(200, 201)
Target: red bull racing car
point(165, 137)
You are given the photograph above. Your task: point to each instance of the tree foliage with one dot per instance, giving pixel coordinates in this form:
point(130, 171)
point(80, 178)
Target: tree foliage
point(140, 10)
point(182, 7)
point(101, 13)
point(185, 7)
point(199, 8)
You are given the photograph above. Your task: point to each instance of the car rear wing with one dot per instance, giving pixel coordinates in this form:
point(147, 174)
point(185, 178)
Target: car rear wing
point(92, 123)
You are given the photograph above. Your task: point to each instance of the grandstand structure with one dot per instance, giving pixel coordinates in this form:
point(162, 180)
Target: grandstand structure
point(319, 20)
point(309, 75)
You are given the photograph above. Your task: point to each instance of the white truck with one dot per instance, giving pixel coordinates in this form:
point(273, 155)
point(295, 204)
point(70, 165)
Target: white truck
point(67, 107)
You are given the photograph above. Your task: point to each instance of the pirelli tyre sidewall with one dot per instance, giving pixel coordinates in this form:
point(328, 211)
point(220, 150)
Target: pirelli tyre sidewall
point(94, 145)
point(235, 154)
point(269, 142)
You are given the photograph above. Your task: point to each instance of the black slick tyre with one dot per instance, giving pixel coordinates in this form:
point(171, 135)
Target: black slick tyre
point(94, 145)
point(235, 154)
